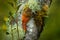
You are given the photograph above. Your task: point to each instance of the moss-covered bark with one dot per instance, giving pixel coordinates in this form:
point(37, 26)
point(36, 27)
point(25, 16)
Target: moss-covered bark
point(6, 7)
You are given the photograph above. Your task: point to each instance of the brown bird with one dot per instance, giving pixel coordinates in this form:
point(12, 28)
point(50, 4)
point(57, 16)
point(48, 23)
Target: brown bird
point(25, 18)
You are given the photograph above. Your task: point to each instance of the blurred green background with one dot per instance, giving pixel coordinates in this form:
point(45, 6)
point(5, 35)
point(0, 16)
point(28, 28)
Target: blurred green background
point(52, 27)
